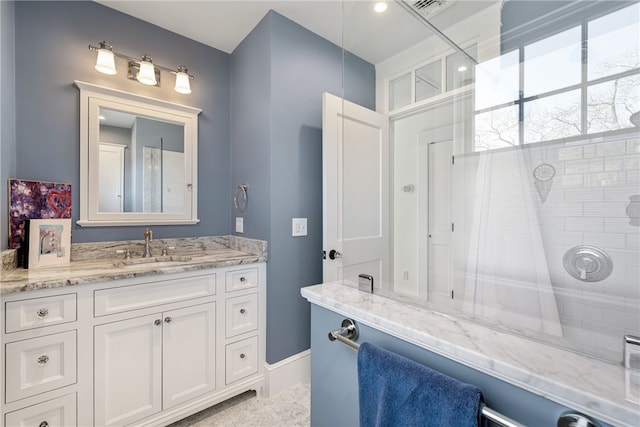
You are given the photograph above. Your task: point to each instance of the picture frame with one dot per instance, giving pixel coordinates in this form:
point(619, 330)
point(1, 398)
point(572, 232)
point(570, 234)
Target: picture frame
point(48, 242)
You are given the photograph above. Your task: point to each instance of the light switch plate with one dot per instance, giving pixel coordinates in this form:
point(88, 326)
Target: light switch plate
point(239, 224)
point(298, 227)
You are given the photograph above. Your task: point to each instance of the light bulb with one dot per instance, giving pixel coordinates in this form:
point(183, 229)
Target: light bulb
point(380, 7)
point(105, 63)
point(147, 73)
point(182, 81)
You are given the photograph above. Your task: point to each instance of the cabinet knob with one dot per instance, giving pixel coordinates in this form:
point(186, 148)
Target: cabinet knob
point(43, 312)
point(42, 360)
point(243, 279)
point(242, 356)
point(243, 311)
point(167, 319)
point(43, 424)
point(157, 322)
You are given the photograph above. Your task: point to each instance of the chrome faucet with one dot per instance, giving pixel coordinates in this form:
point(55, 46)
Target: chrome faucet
point(148, 237)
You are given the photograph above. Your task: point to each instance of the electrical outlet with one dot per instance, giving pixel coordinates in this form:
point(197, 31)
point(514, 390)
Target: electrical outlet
point(298, 227)
point(239, 224)
point(405, 274)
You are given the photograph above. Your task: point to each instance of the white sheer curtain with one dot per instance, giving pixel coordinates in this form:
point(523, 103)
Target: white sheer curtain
point(507, 278)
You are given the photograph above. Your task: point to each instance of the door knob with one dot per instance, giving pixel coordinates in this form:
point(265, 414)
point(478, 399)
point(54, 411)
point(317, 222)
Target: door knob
point(333, 254)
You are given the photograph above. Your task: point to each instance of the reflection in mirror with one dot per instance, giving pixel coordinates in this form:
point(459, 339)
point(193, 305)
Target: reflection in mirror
point(140, 156)
point(138, 159)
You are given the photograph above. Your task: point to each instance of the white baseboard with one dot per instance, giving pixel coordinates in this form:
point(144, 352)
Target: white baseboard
point(286, 373)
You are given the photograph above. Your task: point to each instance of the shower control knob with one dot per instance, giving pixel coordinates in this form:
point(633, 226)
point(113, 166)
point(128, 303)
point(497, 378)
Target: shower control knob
point(333, 254)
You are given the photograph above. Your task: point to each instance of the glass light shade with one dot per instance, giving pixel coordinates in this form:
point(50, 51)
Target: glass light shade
point(106, 62)
point(182, 83)
point(147, 73)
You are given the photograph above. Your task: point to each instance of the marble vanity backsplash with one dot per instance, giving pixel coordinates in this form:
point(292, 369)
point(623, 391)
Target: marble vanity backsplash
point(184, 245)
point(9, 259)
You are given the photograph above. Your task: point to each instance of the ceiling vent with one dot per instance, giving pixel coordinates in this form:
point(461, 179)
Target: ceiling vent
point(429, 8)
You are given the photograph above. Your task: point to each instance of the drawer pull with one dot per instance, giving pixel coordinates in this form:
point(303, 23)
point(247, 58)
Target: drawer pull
point(42, 360)
point(243, 279)
point(43, 312)
point(167, 319)
point(157, 322)
point(242, 356)
point(243, 311)
point(43, 424)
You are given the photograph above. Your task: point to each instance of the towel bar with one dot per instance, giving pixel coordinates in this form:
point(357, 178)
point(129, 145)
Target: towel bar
point(349, 332)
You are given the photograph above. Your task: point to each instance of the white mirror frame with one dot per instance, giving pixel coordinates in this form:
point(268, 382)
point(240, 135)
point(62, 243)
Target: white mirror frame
point(92, 97)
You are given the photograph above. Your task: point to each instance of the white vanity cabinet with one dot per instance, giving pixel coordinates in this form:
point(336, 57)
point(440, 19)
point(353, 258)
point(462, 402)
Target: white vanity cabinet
point(139, 351)
point(150, 363)
point(39, 359)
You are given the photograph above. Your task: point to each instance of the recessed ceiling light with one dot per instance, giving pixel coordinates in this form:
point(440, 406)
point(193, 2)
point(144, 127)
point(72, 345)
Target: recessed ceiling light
point(380, 7)
point(462, 68)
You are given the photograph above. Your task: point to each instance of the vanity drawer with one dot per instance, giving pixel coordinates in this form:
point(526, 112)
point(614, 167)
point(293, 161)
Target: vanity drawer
point(60, 412)
point(40, 364)
point(38, 312)
point(241, 315)
point(135, 297)
point(241, 359)
point(241, 279)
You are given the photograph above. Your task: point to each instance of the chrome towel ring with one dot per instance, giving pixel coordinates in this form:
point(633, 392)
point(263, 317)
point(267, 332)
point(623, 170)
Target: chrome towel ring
point(241, 198)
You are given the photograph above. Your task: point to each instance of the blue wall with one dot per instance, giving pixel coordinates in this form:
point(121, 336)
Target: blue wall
point(7, 115)
point(51, 40)
point(334, 378)
point(279, 73)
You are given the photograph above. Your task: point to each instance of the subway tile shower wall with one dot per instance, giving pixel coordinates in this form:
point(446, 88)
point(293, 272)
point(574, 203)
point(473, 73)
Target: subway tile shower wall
point(587, 206)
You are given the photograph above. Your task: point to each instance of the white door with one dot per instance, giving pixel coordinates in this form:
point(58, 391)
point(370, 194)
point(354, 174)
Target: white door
point(127, 370)
point(355, 161)
point(111, 177)
point(440, 226)
point(188, 353)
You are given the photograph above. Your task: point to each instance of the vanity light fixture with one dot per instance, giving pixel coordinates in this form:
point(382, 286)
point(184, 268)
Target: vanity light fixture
point(182, 80)
point(147, 72)
point(143, 69)
point(105, 63)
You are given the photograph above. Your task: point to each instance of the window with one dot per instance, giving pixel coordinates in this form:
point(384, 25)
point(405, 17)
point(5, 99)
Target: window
point(583, 80)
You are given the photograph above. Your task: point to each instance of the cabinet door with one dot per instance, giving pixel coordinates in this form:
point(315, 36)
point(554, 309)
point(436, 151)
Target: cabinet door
point(188, 353)
point(128, 370)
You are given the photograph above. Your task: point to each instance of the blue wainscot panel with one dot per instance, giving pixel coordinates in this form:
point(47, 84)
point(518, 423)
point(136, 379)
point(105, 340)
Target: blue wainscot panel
point(334, 383)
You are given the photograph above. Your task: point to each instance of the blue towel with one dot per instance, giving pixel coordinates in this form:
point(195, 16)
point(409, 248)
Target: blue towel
point(396, 391)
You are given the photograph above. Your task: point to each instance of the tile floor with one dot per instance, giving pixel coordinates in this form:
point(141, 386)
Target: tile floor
point(290, 408)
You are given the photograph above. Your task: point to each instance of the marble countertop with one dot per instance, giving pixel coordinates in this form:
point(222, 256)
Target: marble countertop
point(587, 385)
point(96, 263)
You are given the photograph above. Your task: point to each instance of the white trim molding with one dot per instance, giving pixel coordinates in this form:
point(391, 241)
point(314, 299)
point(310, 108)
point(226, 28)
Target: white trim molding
point(293, 370)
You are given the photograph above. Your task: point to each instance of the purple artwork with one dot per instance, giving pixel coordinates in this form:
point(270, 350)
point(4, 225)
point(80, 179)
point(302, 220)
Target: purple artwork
point(35, 200)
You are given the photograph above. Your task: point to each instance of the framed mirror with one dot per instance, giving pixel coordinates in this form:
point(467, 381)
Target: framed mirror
point(138, 159)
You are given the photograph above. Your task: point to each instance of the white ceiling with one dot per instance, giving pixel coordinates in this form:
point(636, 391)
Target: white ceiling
point(223, 24)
